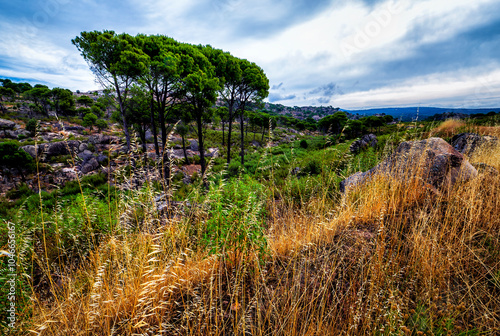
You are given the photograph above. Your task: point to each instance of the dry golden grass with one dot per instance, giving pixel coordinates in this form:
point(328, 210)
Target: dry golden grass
point(448, 128)
point(451, 127)
point(389, 258)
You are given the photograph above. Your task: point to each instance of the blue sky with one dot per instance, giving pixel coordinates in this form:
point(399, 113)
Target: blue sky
point(350, 54)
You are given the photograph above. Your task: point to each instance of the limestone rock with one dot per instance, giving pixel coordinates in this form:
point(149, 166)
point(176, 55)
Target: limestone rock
point(212, 152)
point(255, 143)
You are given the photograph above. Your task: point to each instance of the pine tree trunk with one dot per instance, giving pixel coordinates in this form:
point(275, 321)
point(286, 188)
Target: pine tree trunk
point(184, 149)
point(153, 128)
point(242, 136)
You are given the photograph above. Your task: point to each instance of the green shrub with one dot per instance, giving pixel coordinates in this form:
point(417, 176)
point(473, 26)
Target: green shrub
point(304, 144)
point(234, 168)
point(32, 126)
point(312, 167)
point(11, 156)
point(23, 190)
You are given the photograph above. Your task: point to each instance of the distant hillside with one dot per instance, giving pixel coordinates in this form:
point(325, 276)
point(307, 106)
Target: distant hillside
point(410, 113)
point(403, 113)
point(300, 112)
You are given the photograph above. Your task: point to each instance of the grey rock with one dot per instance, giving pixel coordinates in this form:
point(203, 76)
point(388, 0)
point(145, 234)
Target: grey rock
point(101, 158)
point(177, 154)
point(62, 148)
point(83, 146)
point(74, 128)
point(255, 143)
point(367, 140)
point(468, 143)
point(10, 134)
point(34, 151)
point(103, 139)
point(86, 155)
point(7, 124)
point(89, 166)
point(187, 179)
point(212, 152)
point(194, 145)
point(149, 135)
point(432, 161)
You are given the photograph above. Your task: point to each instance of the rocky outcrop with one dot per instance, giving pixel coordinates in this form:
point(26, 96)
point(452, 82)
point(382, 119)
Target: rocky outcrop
point(367, 140)
point(7, 124)
point(103, 139)
point(432, 161)
point(52, 149)
point(14, 134)
point(468, 143)
point(69, 147)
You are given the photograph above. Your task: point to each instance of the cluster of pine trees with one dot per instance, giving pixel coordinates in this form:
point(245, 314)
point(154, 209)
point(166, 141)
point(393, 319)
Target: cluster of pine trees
point(159, 81)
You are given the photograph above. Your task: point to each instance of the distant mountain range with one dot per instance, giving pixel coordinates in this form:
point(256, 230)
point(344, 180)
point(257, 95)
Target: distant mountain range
point(400, 113)
point(410, 113)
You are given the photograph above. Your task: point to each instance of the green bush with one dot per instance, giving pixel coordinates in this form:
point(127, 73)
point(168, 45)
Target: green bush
point(234, 168)
point(312, 167)
point(32, 126)
point(304, 144)
point(23, 190)
point(11, 156)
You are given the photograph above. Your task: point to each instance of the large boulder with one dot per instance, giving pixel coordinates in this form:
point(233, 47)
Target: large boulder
point(432, 161)
point(33, 151)
point(467, 143)
point(62, 148)
point(367, 140)
point(52, 149)
point(103, 139)
point(7, 124)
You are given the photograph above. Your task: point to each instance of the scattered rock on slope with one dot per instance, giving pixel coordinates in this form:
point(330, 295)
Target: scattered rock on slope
point(89, 165)
point(433, 160)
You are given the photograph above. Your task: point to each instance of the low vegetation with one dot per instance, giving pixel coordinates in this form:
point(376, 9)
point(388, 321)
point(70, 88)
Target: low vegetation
point(270, 247)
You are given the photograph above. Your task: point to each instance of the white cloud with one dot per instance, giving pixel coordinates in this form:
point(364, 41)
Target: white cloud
point(342, 44)
point(454, 89)
point(43, 60)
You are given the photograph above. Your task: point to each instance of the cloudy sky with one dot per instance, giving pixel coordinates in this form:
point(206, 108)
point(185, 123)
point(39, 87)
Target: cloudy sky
point(350, 54)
